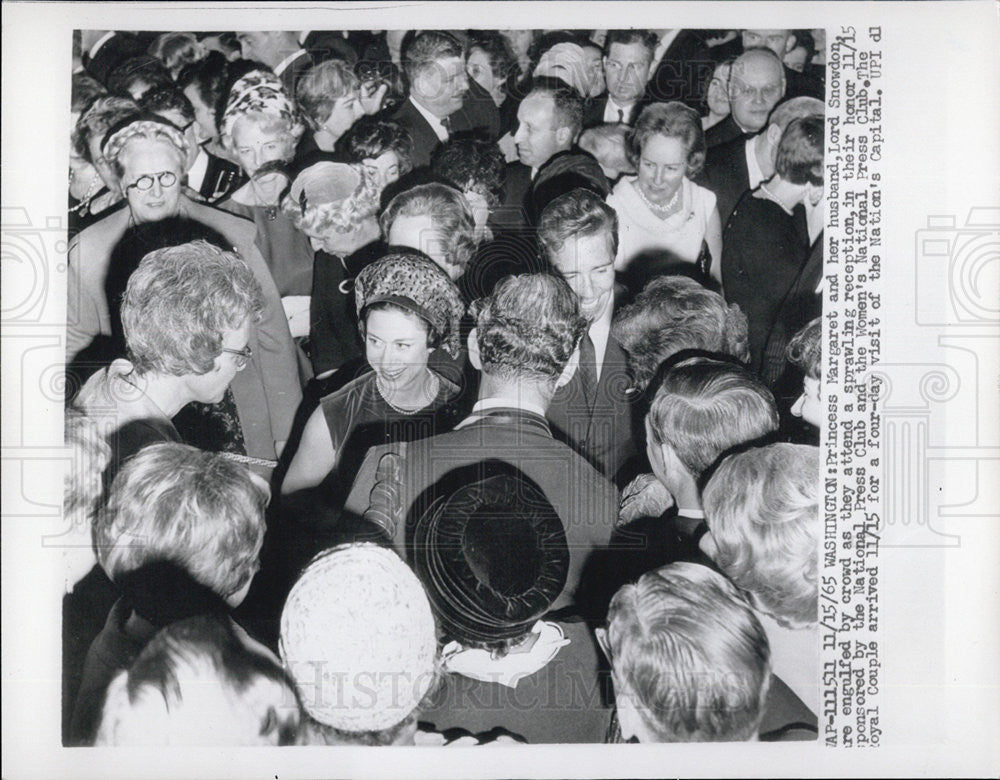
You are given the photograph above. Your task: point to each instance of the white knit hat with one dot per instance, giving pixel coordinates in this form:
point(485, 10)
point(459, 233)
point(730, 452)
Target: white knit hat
point(358, 638)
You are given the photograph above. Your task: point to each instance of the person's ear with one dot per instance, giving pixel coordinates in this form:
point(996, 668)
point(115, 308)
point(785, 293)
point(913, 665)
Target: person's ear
point(790, 42)
point(773, 135)
point(708, 545)
point(564, 135)
point(569, 370)
point(473, 344)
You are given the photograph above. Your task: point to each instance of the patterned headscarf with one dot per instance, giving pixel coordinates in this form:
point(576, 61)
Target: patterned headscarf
point(418, 284)
point(358, 638)
point(261, 92)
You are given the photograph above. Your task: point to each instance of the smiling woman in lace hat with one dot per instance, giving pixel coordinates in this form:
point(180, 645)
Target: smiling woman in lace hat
point(407, 307)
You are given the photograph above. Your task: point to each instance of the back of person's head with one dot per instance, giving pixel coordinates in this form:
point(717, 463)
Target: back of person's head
point(135, 76)
point(579, 213)
point(492, 554)
point(163, 100)
point(567, 104)
point(690, 660)
point(528, 328)
point(703, 407)
point(805, 350)
point(358, 639)
point(177, 50)
point(473, 165)
point(674, 313)
point(105, 112)
point(179, 301)
point(84, 90)
point(453, 220)
point(799, 159)
point(607, 143)
point(762, 508)
point(795, 108)
point(199, 682)
point(427, 48)
point(199, 510)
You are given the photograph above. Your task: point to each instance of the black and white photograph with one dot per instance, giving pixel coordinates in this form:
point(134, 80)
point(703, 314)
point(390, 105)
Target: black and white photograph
point(374, 391)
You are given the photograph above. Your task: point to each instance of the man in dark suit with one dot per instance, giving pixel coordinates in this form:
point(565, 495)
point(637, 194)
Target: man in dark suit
point(740, 165)
point(578, 233)
point(628, 56)
point(281, 52)
point(549, 121)
point(442, 100)
point(756, 84)
point(524, 344)
point(105, 50)
point(682, 66)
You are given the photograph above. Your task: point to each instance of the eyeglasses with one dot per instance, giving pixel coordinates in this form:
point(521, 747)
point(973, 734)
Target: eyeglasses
point(769, 93)
point(242, 356)
point(145, 183)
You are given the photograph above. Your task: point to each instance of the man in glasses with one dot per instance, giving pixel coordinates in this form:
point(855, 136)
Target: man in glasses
point(756, 84)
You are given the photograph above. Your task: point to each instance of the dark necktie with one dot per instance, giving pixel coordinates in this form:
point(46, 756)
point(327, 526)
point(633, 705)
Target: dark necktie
point(588, 370)
point(446, 124)
point(621, 117)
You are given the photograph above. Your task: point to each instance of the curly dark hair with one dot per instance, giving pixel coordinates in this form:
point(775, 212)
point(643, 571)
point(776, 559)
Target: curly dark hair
point(371, 137)
point(472, 165)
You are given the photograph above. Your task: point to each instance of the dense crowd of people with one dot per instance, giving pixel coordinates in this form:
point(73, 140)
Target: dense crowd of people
point(444, 387)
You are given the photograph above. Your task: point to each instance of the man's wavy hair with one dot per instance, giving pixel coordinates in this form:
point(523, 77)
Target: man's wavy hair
point(674, 313)
point(199, 680)
point(691, 654)
point(576, 214)
point(805, 350)
point(703, 407)
point(762, 507)
point(179, 301)
point(528, 328)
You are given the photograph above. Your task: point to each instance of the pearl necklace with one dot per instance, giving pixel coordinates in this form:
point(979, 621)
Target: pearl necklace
point(666, 207)
point(436, 384)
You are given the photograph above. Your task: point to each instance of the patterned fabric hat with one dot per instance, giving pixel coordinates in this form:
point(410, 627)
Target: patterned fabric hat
point(418, 284)
point(358, 638)
point(259, 91)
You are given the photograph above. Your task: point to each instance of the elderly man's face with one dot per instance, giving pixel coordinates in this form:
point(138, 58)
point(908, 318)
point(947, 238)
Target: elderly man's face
point(151, 164)
point(778, 41)
point(258, 46)
point(756, 84)
point(626, 71)
point(441, 86)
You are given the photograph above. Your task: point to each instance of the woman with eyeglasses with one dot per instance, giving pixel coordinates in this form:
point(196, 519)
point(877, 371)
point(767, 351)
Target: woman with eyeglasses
point(188, 316)
point(147, 155)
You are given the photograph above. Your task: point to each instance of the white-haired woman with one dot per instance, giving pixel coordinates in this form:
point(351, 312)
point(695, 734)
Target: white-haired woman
point(148, 156)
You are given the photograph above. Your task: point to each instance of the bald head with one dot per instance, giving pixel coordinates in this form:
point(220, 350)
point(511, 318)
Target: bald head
point(756, 84)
